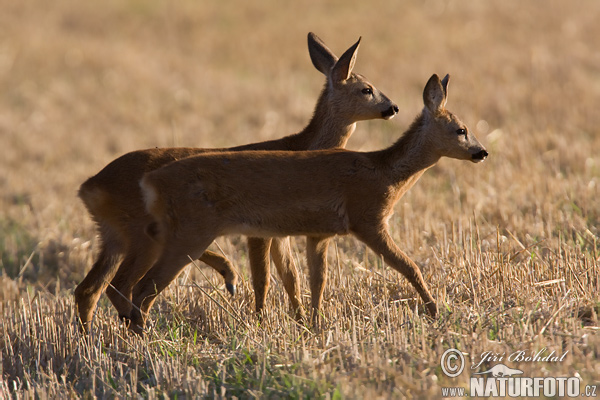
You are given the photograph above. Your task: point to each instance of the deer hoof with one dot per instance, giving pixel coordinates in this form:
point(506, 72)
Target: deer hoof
point(230, 288)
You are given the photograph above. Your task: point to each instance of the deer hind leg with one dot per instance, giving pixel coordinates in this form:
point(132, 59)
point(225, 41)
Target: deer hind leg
point(175, 256)
point(316, 253)
point(381, 243)
point(286, 268)
point(88, 292)
point(140, 257)
point(223, 266)
point(260, 267)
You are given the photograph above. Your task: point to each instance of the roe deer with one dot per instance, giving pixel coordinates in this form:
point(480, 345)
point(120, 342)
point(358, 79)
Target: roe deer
point(314, 193)
point(114, 200)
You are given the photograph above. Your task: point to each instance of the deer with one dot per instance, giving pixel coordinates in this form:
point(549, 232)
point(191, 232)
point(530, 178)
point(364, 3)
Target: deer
point(114, 199)
point(317, 194)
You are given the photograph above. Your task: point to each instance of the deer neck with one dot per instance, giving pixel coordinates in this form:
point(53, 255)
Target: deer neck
point(411, 155)
point(327, 128)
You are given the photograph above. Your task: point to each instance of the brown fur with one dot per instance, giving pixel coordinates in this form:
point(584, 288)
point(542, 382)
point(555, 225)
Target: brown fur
point(314, 193)
point(114, 200)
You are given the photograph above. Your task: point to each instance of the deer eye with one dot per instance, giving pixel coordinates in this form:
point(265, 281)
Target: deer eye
point(461, 131)
point(367, 91)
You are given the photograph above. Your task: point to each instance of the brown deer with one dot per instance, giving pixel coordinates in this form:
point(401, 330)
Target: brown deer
point(314, 193)
point(114, 200)
point(319, 194)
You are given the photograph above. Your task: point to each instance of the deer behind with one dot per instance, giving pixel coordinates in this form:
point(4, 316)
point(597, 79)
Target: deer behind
point(318, 194)
point(114, 200)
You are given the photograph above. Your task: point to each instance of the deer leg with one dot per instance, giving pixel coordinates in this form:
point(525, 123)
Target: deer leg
point(223, 266)
point(316, 253)
point(175, 256)
point(260, 266)
point(286, 268)
point(139, 259)
point(381, 243)
point(88, 292)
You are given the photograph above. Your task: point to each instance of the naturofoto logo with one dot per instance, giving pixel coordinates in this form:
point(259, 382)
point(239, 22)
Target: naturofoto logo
point(501, 370)
point(502, 380)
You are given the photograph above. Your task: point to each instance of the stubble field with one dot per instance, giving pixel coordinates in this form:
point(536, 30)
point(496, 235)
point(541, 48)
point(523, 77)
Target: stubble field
point(508, 247)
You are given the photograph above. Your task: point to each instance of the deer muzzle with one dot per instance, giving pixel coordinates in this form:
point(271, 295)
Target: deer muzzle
point(479, 156)
point(390, 112)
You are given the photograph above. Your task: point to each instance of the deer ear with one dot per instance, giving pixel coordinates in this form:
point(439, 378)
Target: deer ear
point(343, 68)
point(445, 86)
point(322, 58)
point(434, 95)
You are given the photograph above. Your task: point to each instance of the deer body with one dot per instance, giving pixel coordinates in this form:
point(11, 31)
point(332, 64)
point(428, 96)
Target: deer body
point(318, 194)
point(114, 199)
point(297, 205)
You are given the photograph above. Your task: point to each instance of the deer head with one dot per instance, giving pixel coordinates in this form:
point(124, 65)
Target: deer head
point(349, 95)
point(447, 135)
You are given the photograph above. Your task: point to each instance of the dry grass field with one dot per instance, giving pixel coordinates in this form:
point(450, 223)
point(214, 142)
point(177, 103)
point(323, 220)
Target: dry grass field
point(509, 247)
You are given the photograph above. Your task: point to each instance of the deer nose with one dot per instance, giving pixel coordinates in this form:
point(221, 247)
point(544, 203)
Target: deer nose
point(480, 156)
point(390, 112)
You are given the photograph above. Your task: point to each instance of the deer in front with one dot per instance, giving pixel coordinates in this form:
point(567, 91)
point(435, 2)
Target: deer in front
point(114, 200)
point(318, 194)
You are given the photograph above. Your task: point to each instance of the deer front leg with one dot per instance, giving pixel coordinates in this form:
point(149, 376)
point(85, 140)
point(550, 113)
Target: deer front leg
point(316, 253)
point(381, 243)
point(260, 266)
point(223, 266)
point(282, 257)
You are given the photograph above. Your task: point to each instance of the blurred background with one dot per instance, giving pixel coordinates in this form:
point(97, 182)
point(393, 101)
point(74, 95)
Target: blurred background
point(509, 247)
point(82, 83)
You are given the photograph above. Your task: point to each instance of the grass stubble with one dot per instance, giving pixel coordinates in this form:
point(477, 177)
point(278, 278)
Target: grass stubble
point(509, 247)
